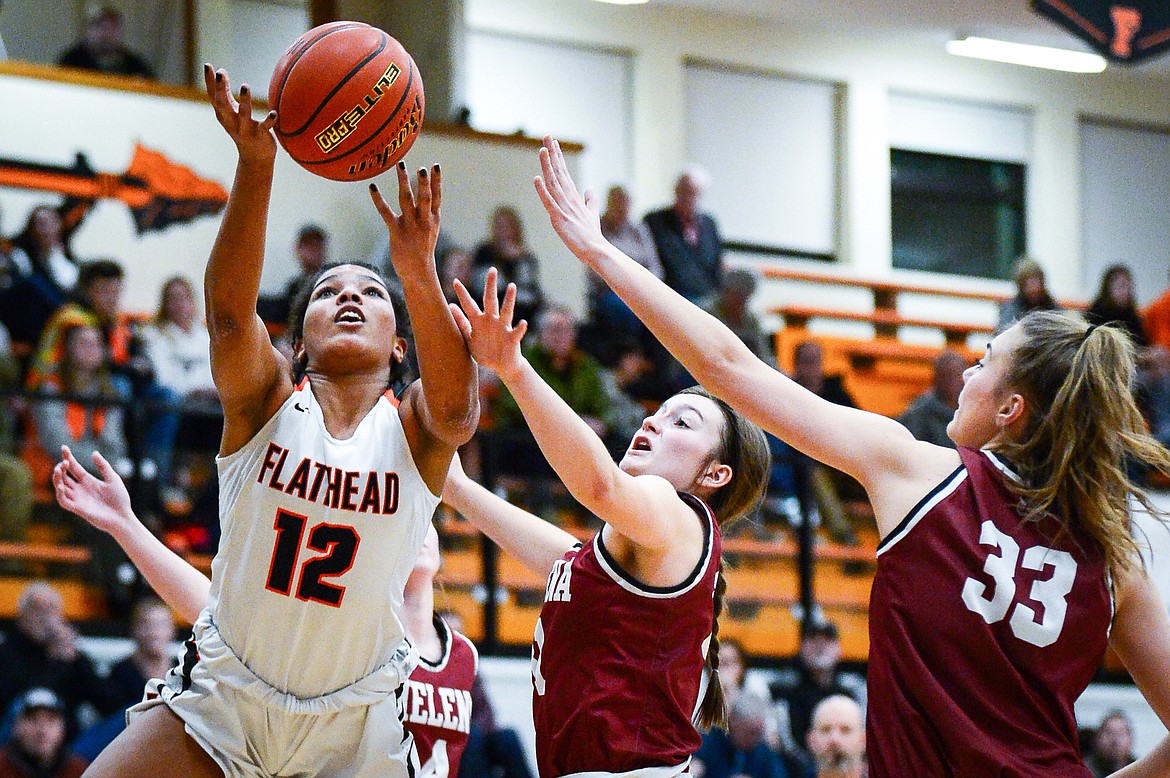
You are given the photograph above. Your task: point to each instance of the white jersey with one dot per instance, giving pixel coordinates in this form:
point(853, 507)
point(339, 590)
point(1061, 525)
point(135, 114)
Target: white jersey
point(319, 537)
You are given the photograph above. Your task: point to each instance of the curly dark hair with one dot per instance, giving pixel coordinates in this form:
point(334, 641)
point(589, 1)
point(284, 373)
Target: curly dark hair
point(401, 372)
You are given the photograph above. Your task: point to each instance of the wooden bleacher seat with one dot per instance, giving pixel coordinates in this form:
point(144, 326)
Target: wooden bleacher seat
point(885, 322)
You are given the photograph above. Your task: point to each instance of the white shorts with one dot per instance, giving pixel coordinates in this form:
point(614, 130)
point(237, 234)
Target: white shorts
point(253, 730)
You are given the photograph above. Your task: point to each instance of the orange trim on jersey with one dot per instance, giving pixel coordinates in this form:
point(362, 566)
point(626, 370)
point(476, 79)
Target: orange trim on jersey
point(302, 384)
point(389, 395)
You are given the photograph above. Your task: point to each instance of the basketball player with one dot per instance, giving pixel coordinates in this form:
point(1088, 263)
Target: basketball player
point(1002, 566)
point(436, 701)
point(629, 627)
point(326, 491)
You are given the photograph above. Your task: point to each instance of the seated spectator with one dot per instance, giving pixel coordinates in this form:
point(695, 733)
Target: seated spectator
point(836, 739)
point(153, 628)
point(733, 665)
point(16, 485)
point(813, 675)
point(506, 251)
point(37, 746)
point(454, 263)
point(688, 242)
point(1031, 292)
point(825, 485)
point(612, 316)
point(1112, 745)
point(1153, 393)
point(491, 750)
point(81, 373)
point(741, 750)
point(41, 650)
point(102, 47)
point(575, 376)
point(1115, 303)
point(97, 302)
point(733, 308)
point(41, 273)
point(930, 412)
point(178, 345)
point(312, 250)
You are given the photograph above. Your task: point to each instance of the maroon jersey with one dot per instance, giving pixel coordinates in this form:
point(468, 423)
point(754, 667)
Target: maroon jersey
point(984, 630)
point(619, 667)
point(436, 704)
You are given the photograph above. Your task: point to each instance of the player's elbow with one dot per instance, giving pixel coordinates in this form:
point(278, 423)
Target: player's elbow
point(457, 424)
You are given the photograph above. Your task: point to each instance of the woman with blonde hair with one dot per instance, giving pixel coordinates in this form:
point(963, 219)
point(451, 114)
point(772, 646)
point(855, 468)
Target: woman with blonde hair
point(1005, 567)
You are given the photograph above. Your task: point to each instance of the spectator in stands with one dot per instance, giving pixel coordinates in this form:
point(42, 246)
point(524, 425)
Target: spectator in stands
point(506, 251)
point(812, 676)
point(1112, 745)
point(37, 746)
point(81, 373)
point(733, 665)
point(741, 750)
point(16, 486)
point(930, 412)
point(612, 316)
point(1156, 321)
point(1031, 292)
point(836, 739)
point(575, 376)
point(1115, 303)
point(177, 344)
point(688, 242)
point(312, 251)
point(102, 47)
point(1153, 393)
point(153, 628)
point(491, 750)
point(733, 308)
point(41, 650)
point(825, 484)
point(454, 263)
point(42, 275)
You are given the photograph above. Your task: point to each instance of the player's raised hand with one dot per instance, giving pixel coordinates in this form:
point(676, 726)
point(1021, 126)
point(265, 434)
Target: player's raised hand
point(254, 139)
point(575, 217)
point(414, 233)
point(491, 338)
point(103, 502)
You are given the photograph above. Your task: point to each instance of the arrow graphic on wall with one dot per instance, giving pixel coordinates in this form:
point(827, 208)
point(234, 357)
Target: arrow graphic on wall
point(158, 191)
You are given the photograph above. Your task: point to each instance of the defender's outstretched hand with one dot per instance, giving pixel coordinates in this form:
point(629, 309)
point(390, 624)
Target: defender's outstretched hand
point(103, 502)
point(413, 234)
point(490, 336)
point(254, 139)
point(575, 217)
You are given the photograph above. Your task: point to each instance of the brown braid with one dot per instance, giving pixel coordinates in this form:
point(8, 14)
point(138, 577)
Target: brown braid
point(713, 711)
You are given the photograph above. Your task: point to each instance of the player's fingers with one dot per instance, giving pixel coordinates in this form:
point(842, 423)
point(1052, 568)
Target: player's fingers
point(424, 191)
point(381, 204)
point(106, 470)
point(436, 188)
point(269, 121)
point(405, 195)
point(224, 91)
point(491, 302)
point(466, 301)
point(546, 198)
point(519, 330)
point(509, 305)
point(245, 110)
point(72, 466)
point(461, 320)
point(549, 172)
point(209, 80)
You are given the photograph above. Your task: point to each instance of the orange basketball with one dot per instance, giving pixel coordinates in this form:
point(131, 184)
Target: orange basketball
point(348, 99)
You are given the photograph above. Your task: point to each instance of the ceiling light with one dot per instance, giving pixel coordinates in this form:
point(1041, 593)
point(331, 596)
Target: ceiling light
point(1023, 54)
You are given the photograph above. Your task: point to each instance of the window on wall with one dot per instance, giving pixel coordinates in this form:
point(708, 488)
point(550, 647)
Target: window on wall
point(770, 144)
point(956, 214)
point(519, 86)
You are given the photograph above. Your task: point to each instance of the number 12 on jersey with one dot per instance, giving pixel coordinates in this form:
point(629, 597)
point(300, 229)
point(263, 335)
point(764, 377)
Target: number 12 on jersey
point(340, 544)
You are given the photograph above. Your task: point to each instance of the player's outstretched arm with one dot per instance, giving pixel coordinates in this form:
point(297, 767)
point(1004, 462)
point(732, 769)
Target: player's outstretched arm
point(529, 539)
point(645, 509)
point(859, 443)
point(1141, 638)
point(1155, 764)
point(445, 402)
point(249, 373)
point(105, 504)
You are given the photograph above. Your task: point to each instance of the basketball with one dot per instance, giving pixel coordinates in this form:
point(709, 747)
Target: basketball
point(348, 99)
